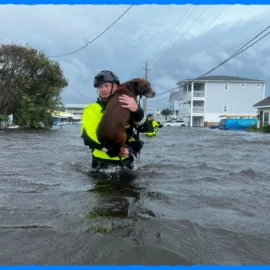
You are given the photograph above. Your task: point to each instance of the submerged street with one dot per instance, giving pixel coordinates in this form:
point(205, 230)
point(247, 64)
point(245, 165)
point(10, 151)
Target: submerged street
point(197, 196)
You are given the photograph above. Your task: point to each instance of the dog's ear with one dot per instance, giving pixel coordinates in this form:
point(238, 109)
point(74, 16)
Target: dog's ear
point(134, 85)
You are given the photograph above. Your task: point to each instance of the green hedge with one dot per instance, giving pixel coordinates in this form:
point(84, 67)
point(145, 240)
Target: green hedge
point(264, 129)
point(3, 117)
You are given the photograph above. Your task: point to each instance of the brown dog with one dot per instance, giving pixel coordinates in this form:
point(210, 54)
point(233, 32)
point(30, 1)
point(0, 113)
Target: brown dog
point(111, 129)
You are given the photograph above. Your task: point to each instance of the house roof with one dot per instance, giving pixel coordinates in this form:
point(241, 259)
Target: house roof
point(263, 103)
point(223, 78)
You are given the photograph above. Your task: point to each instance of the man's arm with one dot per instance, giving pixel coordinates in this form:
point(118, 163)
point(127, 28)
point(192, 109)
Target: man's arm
point(156, 124)
point(140, 118)
point(137, 113)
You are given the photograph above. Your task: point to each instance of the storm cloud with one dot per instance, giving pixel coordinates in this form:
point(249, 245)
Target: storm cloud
point(142, 34)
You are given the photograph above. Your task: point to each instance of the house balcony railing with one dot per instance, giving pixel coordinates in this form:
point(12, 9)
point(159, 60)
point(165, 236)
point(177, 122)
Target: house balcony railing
point(184, 110)
point(198, 109)
point(198, 94)
point(194, 110)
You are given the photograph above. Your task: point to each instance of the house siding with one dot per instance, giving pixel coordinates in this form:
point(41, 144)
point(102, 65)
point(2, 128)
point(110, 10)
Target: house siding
point(238, 99)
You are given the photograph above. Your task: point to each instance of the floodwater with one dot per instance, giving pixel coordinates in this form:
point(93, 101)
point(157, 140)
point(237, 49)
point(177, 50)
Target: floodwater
point(198, 196)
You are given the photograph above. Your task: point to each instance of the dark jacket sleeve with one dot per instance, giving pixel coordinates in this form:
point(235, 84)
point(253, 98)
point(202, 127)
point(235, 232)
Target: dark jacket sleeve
point(140, 118)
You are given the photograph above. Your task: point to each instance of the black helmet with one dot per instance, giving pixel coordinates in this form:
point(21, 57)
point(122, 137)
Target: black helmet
point(105, 76)
point(149, 115)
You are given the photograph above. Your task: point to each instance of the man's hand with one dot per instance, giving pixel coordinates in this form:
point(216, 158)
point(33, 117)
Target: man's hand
point(124, 152)
point(130, 103)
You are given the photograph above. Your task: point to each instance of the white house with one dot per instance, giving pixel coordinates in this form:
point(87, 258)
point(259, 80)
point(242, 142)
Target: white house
point(76, 109)
point(263, 109)
point(174, 103)
point(203, 101)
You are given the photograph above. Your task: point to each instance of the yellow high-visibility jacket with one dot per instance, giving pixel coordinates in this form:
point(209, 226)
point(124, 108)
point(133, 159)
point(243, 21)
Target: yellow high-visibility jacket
point(153, 131)
point(92, 114)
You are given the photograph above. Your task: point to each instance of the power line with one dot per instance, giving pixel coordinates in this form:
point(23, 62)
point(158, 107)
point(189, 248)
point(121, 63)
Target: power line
point(80, 93)
point(190, 44)
point(239, 51)
point(89, 42)
point(158, 99)
point(177, 31)
point(158, 47)
point(177, 41)
point(146, 69)
point(242, 49)
point(166, 38)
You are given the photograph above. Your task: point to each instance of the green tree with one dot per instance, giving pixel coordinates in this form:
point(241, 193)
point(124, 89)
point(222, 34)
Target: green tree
point(3, 117)
point(30, 84)
point(166, 113)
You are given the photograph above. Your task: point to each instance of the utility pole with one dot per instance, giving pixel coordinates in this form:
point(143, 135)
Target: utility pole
point(145, 99)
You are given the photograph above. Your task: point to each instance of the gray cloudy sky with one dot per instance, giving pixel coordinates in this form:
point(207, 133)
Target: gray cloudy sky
point(192, 49)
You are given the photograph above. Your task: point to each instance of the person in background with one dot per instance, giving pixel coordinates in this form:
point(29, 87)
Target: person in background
point(153, 126)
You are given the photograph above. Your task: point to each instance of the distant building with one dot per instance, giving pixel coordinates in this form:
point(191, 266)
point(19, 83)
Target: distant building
point(174, 103)
point(203, 101)
point(76, 109)
point(263, 108)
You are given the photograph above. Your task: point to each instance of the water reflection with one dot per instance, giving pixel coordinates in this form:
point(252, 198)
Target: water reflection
point(116, 192)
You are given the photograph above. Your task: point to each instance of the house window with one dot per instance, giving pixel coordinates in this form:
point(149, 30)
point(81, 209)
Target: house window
point(225, 108)
point(226, 86)
point(243, 85)
point(258, 85)
point(266, 118)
